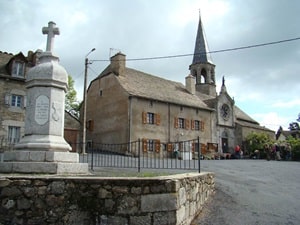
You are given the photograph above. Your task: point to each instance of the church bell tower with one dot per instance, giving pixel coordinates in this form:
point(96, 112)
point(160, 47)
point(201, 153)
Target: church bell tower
point(202, 67)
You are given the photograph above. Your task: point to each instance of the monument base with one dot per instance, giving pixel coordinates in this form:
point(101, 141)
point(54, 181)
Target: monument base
point(45, 162)
point(43, 143)
point(44, 167)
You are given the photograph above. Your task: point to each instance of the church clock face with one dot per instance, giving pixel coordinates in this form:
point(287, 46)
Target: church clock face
point(225, 110)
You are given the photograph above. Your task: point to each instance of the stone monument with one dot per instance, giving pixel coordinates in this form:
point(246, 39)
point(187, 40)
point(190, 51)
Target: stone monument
point(43, 149)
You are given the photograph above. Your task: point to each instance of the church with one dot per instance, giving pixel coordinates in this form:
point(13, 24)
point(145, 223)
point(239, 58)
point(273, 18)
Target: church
point(124, 105)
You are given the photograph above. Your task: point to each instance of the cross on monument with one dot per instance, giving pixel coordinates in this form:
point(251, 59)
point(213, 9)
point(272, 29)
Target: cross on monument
point(51, 31)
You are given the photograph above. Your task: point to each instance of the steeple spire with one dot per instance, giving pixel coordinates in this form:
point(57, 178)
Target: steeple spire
point(201, 52)
point(202, 67)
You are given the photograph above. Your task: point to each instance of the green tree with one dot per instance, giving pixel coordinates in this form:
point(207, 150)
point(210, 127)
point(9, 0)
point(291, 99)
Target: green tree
point(257, 141)
point(71, 102)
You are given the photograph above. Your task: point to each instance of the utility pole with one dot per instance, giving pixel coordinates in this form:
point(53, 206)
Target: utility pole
point(86, 62)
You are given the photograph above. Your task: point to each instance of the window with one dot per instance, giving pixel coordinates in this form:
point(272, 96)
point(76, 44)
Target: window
point(100, 93)
point(181, 123)
point(151, 145)
point(16, 100)
point(197, 125)
point(18, 69)
point(151, 118)
point(13, 134)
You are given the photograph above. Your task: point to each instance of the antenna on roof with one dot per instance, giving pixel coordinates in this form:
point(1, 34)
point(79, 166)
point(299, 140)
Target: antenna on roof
point(111, 50)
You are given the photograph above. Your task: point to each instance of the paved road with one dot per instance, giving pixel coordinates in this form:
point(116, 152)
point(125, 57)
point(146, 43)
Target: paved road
point(253, 192)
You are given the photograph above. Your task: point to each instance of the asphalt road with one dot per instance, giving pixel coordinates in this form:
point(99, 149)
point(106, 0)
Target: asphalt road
point(253, 192)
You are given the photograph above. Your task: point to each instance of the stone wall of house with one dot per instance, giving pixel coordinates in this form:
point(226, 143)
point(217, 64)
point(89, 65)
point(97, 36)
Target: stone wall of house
point(175, 199)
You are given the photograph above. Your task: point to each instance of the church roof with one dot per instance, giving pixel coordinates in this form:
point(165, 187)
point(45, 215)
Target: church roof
point(144, 85)
point(201, 52)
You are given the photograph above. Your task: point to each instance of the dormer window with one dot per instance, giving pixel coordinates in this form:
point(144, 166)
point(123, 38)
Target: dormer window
point(18, 69)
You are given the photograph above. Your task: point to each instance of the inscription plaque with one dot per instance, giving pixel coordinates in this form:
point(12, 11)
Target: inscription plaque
point(42, 110)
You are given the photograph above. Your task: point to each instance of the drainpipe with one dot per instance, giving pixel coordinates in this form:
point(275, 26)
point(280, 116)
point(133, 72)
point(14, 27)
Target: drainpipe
point(129, 121)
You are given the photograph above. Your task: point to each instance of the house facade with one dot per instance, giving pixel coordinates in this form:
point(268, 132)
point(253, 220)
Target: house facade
point(124, 105)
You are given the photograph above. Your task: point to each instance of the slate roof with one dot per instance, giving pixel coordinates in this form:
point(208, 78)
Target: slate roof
point(137, 83)
point(4, 59)
point(140, 84)
point(201, 52)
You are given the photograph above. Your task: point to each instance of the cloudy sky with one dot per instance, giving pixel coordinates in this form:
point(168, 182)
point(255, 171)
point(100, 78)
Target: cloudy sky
point(264, 81)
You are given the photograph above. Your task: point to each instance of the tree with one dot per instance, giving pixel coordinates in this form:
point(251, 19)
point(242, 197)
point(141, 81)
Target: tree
point(71, 102)
point(257, 141)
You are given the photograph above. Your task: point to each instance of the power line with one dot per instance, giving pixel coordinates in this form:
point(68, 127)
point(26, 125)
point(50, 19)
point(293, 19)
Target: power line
point(201, 53)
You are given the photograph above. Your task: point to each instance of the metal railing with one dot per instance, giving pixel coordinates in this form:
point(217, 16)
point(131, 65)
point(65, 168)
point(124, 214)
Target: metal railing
point(173, 155)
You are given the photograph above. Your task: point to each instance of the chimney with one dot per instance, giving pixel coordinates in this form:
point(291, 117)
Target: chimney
point(118, 63)
point(190, 84)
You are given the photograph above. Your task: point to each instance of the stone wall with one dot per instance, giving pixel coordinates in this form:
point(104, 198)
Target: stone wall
point(175, 199)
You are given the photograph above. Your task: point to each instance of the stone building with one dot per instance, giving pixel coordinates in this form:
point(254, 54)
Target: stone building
point(124, 105)
point(13, 70)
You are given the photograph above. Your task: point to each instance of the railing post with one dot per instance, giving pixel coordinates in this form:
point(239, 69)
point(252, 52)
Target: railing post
point(92, 165)
point(139, 155)
point(199, 152)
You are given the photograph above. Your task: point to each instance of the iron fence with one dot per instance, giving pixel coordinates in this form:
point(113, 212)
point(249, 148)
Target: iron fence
point(142, 154)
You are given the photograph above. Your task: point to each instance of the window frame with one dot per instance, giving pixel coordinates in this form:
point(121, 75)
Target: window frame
point(13, 134)
point(16, 101)
point(18, 69)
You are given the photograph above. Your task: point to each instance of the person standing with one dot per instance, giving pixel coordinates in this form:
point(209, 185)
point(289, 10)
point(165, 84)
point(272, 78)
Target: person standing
point(277, 152)
point(237, 152)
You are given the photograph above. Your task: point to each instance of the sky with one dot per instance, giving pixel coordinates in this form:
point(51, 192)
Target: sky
point(264, 81)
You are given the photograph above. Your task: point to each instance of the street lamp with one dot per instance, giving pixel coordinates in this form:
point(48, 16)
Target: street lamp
point(84, 102)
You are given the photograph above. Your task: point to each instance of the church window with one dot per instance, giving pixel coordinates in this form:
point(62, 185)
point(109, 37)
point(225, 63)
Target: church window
point(18, 69)
point(100, 93)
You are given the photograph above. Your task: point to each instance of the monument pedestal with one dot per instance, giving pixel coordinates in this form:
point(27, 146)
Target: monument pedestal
point(44, 162)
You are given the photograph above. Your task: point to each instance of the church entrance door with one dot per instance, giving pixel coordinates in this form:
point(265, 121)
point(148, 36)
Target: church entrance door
point(225, 145)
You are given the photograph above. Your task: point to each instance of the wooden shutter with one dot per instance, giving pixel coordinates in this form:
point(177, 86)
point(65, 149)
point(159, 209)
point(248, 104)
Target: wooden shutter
point(144, 142)
point(157, 119)
point(144, 117)
point(202, 125)
point(7, 99)
point(193, 146)
point(193, 124)
point(187, 124)
point(169, 147)
point(175, 122)
point(157, 145)
point(24, 101)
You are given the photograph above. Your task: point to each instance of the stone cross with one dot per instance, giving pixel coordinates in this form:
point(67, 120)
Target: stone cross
point(51, 31)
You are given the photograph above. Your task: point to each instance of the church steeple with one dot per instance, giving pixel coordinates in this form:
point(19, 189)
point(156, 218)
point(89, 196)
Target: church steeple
point(201, 52)
point(202, 66)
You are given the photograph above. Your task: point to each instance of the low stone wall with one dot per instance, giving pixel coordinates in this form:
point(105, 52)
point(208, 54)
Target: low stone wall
point(167, 200)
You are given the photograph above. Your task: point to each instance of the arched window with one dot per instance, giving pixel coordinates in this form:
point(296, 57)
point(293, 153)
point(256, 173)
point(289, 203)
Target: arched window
point(204, 75)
